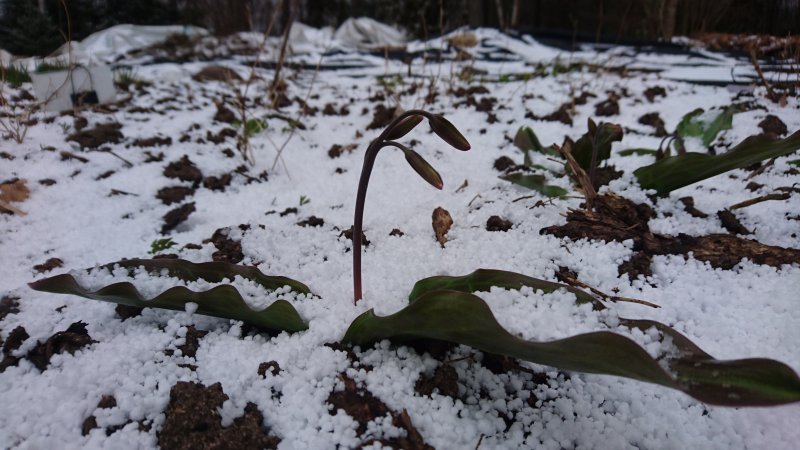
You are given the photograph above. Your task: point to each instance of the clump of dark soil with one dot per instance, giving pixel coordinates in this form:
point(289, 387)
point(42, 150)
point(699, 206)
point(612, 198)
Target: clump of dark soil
point(338, 150)
point(688, 206)
point(126, 312)
point(155, 141)
point(106, 402)
point(731, 223)
point(177, 216)
point(637, 265)
point(653, 92)
point(312, 221)
point(497, 223)
point(15, 339)
point(192, 421)
point(444, 382)
point(50, 264)
point(228, 250)
point(562, 114)
point(174, 194)
point(364, 407)
point(216, 73)
point(654, 120)
point(192, 341)
point(504, 163)
point(74, 338)
point(774, 125)
point(382, 117)
point(224, 114)
point(608, 107)
point(8, 305)
point(615, 218)
point(184, 170)
point(270, 366)
point(106, 133)
point(348, 234)
point(604, 175)
point(217, 183)
point(221, 135)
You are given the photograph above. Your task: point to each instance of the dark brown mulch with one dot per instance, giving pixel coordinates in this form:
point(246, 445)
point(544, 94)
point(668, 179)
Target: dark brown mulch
point(228, 250)
point(184, 170)
point(615, 218)
point(337, 150)
point(192, 421)
point(106, 402)
point(503, 163)
point(74, 338)
point(638, 264)
point(177, 216)
point(174, 194)
point(497, 223)
point(50, 264)
point(348, 234)
point(105, 133)
point(444, 382)
point(562, 114)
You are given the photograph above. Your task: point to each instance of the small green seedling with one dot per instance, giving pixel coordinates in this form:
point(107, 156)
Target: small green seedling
point(159, 245)
point(304, 200)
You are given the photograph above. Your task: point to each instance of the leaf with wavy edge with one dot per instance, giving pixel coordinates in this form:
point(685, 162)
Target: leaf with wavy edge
point(221, 301)
point(463, 318)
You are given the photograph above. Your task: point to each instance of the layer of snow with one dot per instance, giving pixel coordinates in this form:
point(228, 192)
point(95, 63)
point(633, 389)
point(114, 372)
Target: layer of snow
point(745, 312)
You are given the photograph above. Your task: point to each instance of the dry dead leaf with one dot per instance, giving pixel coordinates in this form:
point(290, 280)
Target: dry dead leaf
point(441, 224)
point(13, 191)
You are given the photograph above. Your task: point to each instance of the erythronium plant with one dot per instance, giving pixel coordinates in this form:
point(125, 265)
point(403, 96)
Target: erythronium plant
point(446, 308)
point(398, 128)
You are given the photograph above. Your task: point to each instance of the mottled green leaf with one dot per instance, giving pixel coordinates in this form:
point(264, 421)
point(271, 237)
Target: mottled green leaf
point(526, 140)
point(464, 318)
point(535, 182)
point(705, 126)
point(678, 171)
point(605, 135)
point(221, 301)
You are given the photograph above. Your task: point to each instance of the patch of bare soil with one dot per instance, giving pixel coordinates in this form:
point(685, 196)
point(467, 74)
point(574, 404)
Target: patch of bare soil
point(177, 216)
point(228, 250)
point(382, 117)
point(192, 421)
point(364, 407)
point(444, 381)
point(106, 133)
point(74, 338)
point(615, 218)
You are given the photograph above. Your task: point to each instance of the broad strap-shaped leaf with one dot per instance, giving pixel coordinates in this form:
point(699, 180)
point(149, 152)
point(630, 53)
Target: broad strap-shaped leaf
point(482, 280)
point(682, 170)
point(221, 301)
point(535, 182)
point(464, 318)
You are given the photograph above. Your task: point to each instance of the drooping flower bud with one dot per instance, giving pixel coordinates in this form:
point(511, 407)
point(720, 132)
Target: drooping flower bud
point(448, 132)
point(404, 127)
point(423, 168)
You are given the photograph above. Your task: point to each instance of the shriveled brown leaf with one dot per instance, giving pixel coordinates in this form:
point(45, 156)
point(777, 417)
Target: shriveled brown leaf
point(441, 224)
point(13, 191)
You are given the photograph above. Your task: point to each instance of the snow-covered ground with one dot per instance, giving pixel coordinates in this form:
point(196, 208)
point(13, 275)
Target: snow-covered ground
point(100, 209)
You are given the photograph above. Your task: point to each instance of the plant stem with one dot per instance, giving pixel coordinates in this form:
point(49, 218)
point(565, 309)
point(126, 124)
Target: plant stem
point(361, 196)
